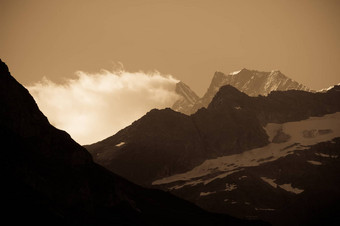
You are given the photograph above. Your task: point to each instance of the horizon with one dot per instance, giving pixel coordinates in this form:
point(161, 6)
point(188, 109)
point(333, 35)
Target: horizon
point(152, 44)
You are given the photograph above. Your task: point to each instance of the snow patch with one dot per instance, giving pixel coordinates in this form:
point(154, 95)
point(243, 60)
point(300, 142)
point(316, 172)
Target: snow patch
point(264, 209)
point(269, 181)
point(120, 144)
point(230, 187)
point(235, 72)
point(286, 187)
point(289, 188)
point(191, 183)
point(220, 176)
point(207, 193)
point(326, 155)
point(241, 178)
point(314, 163)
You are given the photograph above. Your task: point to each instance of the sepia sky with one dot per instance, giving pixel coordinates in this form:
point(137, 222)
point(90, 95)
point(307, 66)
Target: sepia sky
point(96, 66)
point(187, 39)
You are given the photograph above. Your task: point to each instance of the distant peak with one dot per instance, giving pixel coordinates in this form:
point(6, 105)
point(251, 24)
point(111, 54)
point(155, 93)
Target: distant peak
point(235, 72)
point(218, 73)
point(275, 72)
point(182, 84)
point(243, 70)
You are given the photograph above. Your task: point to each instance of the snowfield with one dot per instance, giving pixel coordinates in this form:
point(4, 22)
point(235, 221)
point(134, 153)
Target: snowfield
point(302, 134)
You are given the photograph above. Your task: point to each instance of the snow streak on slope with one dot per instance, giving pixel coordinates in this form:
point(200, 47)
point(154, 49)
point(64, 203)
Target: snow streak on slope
point(286, 187)
point(302, 134)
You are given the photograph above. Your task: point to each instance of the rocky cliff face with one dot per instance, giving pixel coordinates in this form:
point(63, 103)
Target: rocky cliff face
point(187, 99)
point(49, 179)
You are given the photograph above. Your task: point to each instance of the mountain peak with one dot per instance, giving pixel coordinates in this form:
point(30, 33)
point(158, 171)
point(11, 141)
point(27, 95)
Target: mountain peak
point(187, 98)
point(228, 96)
point(230, 90)
point(251, 82)
point(218, 74)
point(3, 66)
point(245, 70)
point(180, 86)
point(276, 71)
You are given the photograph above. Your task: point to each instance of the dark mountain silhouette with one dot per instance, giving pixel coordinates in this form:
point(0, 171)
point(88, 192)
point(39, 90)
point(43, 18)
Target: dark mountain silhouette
point(251, 82)
point(266, 175)
point(165, 142)
point(49, 179)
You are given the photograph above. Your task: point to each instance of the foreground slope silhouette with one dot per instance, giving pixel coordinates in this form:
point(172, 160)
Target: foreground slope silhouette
point(50, 179)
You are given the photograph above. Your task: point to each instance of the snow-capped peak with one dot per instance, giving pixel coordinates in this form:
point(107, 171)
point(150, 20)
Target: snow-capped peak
point(235, 72)
point(326, 89)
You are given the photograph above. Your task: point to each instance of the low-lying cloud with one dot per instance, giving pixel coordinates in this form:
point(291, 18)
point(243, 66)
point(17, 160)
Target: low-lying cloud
point(95, 106)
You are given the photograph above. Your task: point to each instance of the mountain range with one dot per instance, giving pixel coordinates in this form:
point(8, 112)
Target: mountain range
point(251, 82)
point(49, 179)
point(273, 157)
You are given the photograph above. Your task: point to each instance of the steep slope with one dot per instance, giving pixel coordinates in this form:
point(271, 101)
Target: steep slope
point(293, 182)
point(49, 179)
point(251, 82)
point(187, 99)
point(274, 158)
point(168, 142)
point(164, 142)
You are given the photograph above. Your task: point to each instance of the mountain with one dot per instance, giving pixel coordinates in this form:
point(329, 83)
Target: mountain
point(291, 181)
point(187, 98)
point(326, 89)
point(185, 154)
point(169, 142)
point(251, 82)
point(49, 179)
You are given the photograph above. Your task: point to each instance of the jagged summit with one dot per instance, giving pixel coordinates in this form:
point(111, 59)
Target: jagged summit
point(334, 87)
point(237, 72)
point(251, 82)
point(187, 98)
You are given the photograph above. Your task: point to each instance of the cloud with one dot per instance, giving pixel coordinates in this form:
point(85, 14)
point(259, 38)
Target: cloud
point(95, 106)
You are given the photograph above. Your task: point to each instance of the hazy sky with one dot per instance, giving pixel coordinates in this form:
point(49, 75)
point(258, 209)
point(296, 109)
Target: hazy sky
point(189, 40)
